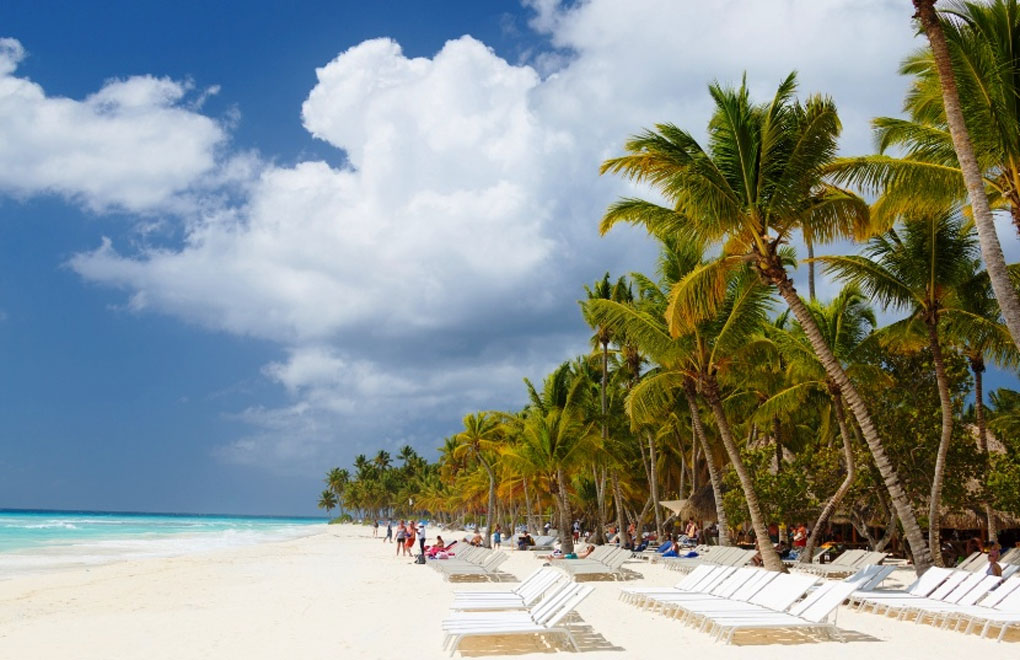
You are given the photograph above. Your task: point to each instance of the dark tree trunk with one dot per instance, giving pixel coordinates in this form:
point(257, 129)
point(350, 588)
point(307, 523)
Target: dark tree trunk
point(769, 556)
point(713, 472)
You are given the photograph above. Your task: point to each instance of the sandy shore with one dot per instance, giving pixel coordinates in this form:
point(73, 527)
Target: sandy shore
point(342, 594)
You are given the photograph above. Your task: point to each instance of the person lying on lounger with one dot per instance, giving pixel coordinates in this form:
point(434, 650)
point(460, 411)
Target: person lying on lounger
point(570, 555)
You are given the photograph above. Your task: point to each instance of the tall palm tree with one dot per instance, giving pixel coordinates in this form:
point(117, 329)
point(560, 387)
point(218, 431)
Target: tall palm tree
point(935, 29)
point(759, 181)
point(604, 290)
point(480, 440)
point(917, 269)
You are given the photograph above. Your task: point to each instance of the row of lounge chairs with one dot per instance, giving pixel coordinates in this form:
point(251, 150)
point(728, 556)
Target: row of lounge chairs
point(710, 554)
point(725, 599)
point(604, 560)
point(475, 562)
point(536, 607)
point(847, 563)
point(943, 596)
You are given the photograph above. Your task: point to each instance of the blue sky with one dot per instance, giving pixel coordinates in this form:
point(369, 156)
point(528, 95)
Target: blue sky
point(240, 244)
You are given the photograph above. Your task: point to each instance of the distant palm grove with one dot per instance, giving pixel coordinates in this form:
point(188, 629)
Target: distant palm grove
point(716, 382)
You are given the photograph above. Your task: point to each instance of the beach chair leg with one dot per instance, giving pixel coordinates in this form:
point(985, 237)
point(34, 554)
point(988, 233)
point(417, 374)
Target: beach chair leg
point(573, 642)
point(455, 644)
point(1002, 631)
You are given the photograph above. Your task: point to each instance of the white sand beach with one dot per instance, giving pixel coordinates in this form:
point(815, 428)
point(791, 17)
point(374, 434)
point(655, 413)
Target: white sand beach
point(343, 594)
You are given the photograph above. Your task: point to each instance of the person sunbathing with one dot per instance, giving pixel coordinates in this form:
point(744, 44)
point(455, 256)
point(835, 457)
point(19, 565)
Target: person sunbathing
point(570, 555)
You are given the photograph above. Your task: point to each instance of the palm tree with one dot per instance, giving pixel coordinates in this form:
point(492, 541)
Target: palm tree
point(382, 460)
point(555, 441)
point(759, 181)
point(327, 501)
point(604, 290)
point(336, 481)
point(917, 269)
point(935, 28)
point(480, 438)
point(701, 356)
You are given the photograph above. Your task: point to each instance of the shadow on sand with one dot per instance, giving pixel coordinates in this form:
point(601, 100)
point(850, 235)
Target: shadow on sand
point(584, 635)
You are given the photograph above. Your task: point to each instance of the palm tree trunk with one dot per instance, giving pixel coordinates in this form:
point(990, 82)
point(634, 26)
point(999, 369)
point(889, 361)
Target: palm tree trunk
point(977, 365)
point(604, 402)
point(599, 533)
point(776, 431)
point(935, 500)
point(699, 441)
point(713, 473)
point(492, 503)
point(654, 484)
point(991, 250)
point(844, 488)
point(810, 268)
point(911, 528)
point(563, 504)
point(618, 497)
point(527, 507)
point(770, 559)
point(683, 465)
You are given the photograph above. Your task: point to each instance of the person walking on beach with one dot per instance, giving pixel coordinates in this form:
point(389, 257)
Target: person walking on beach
point(497, 537)
point(389, 532)
point(375, 529)
point(401, 538)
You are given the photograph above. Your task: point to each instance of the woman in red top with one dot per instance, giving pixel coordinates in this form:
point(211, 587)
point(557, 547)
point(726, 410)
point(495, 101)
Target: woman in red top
point(800, 537)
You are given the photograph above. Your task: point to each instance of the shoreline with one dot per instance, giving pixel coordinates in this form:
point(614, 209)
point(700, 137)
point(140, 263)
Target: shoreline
point(111, 548)
point(339, 594)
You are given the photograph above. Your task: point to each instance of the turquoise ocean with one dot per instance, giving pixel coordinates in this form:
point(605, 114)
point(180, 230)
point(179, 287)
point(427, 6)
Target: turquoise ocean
point(35, 541)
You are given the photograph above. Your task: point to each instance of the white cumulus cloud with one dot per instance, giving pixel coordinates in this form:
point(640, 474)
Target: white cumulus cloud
point(130, 145)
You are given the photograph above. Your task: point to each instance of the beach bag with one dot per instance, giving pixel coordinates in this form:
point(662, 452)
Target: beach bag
point(420, 559)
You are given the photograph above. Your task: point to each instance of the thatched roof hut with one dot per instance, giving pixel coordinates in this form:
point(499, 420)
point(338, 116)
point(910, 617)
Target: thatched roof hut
point(700, 506)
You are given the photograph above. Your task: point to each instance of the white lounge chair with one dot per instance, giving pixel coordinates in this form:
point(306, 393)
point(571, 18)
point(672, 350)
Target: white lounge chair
point(812, 613)
point(522, 597)
point(543, 620)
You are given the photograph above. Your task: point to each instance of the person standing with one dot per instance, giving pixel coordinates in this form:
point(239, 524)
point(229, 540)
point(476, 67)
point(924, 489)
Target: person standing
point(375, 529)
point(800, 538)
point(421, 536)
point(409, 544)
point(401, 537)
point(497, 537)
point(389, 532)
